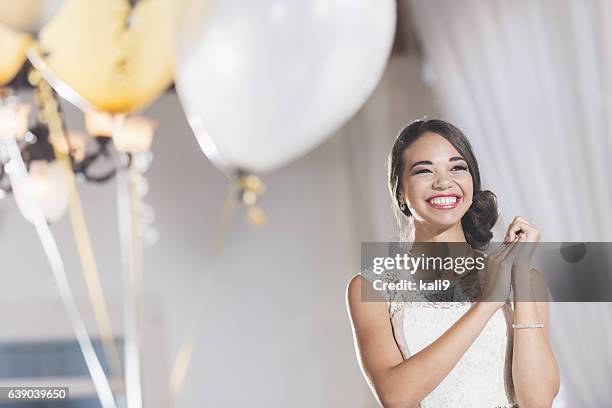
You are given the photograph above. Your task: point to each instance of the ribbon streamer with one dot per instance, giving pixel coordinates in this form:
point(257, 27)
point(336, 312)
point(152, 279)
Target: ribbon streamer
point(19, 174)
point(62, 88)
point(185, 352)
point(246, 188)
point(51, 114)
point(129, 206)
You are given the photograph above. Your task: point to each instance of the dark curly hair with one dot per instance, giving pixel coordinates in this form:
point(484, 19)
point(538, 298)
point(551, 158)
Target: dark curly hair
point(482, 214)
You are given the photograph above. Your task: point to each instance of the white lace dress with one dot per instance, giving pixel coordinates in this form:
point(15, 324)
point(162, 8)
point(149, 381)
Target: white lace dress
point(482, 378)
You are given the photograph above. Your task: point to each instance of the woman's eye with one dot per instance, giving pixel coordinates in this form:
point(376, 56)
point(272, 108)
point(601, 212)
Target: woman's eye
point(459, 167)
point(421, 171)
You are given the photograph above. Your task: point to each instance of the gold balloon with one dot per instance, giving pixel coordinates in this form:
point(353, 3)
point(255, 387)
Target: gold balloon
point(12, 53)
point(117, 57)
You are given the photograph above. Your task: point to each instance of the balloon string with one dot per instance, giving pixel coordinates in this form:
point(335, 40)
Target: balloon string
point(80, 230)
point(229, 207)
point(181, 364)
point(131, 248)
point(185, 352)
point(19, 174)
point(92, 277)
point(34, 55)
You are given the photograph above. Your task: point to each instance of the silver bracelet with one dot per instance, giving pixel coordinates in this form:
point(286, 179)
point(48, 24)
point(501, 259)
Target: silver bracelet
point(527, 325)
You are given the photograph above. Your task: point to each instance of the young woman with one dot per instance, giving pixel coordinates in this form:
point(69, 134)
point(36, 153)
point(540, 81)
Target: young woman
point(494, 352)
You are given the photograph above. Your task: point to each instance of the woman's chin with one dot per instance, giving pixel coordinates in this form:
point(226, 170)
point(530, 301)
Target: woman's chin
point(442, 220)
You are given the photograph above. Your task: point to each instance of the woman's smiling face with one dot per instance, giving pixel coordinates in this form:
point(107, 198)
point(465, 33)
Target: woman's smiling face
point(437, 185)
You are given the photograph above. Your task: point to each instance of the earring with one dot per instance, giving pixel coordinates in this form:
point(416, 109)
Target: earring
point(402, 206)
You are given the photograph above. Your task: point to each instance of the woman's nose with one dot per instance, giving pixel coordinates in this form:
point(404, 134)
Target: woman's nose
point(442, 182)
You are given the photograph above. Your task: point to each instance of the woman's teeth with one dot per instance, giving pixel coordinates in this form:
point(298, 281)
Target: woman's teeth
point(443, 200)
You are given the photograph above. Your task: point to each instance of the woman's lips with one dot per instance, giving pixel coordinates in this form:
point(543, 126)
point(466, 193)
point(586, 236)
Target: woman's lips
point(444, 202)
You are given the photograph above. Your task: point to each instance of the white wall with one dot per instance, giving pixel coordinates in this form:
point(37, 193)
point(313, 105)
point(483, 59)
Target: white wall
point(273, 329)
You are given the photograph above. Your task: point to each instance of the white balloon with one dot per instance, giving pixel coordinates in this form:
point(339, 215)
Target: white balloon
point(263, 82)
point(47, 182)
point(27, 15)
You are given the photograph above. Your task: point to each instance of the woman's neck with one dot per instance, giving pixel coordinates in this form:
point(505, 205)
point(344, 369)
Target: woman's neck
point(426, 233)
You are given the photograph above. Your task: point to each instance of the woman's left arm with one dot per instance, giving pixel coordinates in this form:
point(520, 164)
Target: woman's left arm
point(535, 372)
point(534, 369)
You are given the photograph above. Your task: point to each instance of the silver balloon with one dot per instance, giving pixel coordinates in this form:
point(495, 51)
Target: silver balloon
point(28, 15)
point(262, 82)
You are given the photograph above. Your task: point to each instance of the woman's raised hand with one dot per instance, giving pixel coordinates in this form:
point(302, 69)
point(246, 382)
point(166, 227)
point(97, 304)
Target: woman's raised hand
point(528, 234)
point(516, 250)
point(498, 273)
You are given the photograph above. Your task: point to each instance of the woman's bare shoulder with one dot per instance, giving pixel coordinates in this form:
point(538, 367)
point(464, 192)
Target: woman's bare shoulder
point(354, 291)
point(362, 297)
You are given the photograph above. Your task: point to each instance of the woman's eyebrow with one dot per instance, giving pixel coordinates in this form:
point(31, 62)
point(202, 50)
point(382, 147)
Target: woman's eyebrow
point(456, 158)
point(427, 162)
point(421, 162)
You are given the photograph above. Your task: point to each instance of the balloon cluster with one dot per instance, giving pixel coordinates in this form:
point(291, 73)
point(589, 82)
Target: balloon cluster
point(261, 83)
point(121, 60)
